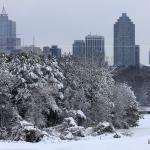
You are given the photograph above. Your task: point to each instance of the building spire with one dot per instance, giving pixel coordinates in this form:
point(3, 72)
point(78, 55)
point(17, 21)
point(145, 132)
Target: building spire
point(4, 13)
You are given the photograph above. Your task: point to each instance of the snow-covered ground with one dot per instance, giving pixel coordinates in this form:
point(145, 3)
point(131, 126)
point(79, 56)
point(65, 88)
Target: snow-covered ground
point(136, 139)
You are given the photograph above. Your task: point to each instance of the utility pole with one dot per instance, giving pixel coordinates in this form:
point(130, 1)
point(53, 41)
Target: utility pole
point(33, 43)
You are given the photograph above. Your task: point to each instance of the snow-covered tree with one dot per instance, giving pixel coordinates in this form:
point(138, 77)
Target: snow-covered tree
point(32, 85)
point(126, 107)
point(40, 92)
point(93, 90)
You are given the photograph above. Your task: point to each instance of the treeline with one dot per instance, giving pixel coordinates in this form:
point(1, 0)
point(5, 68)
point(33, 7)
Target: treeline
point(37, 92)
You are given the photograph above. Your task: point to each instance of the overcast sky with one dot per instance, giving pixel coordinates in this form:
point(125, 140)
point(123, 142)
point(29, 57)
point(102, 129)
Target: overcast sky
point(62, 21)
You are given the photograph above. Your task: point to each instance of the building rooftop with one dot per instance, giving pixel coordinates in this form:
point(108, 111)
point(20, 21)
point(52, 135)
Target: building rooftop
point(94, 36)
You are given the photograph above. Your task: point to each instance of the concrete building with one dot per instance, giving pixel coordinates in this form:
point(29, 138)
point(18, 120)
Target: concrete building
point(95, 49)
point(32, 49)
point(7, 32)
point(79, 48)
point(18, 43)
point(124, 42)
point(47, 51)
point(56, 52)
point(137, 55)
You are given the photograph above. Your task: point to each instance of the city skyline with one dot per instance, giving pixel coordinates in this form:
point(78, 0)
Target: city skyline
point(61, 27)
point(91, 50)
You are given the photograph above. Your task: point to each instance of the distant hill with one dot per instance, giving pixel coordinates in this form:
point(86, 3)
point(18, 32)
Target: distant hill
point(139, 79)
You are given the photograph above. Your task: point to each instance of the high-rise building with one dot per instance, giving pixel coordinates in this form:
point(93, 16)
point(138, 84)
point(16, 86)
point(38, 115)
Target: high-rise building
point(95, 50)
point(8, 39)
point(79, 48)
point(124, 41)
point(56, 52)
point(137, 55)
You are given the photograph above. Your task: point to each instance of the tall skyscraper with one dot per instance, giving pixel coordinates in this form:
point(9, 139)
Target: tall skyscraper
point(124, 41)
point(79, 48)
point(7, 32)
point(95, 50)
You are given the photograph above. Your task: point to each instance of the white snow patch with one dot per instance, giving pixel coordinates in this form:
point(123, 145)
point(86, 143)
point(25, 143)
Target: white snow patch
point(81, 114)
point(61, 95)
point(71, 121)
point(33, 75)
point(60, 86)
point(48, 68)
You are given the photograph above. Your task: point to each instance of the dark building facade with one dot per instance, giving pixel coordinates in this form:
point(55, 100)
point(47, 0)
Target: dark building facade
point(137, 55)
point(79, 48)
point(8, 40)
point(56, 52)
point(124, 42)
point(149, 57)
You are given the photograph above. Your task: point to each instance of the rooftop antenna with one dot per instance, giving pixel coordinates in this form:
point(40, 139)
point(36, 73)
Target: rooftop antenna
point(4, 11)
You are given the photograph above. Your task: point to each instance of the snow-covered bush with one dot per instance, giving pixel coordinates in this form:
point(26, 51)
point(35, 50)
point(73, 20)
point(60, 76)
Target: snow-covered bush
point(25, 131)
point(126, 108)
point(104, 127)
point(70, 122)
point(92, 89)
point(67, 130)
point(78, 116)
point(66, 135)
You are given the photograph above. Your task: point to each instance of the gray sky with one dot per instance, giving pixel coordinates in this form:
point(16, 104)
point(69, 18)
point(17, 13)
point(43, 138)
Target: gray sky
point(62, 21)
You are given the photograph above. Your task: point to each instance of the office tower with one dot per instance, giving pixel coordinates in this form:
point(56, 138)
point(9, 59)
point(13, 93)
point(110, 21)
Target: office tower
point(56, 52)
point(95, 51)
point(7, 32)
point(124, 41)
point(79, 48)
point(137, 55)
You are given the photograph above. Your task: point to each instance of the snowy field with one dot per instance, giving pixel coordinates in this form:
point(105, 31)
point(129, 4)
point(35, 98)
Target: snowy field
point(135, 139)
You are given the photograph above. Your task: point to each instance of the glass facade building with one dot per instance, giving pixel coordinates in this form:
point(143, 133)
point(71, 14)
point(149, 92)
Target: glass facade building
point(95, 48)
point(79, 48)
point(7, 32)
point(56, 52)
point(124, 42)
